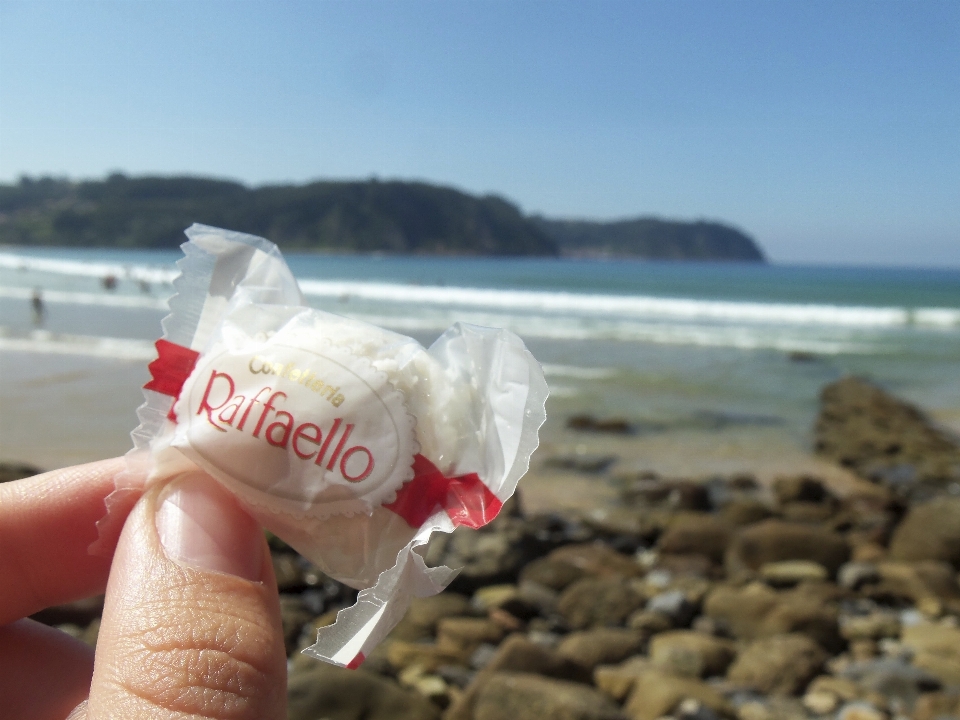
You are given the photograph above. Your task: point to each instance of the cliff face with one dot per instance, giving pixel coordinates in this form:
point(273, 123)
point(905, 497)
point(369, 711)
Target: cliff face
point(651, 238)
point(371, 216)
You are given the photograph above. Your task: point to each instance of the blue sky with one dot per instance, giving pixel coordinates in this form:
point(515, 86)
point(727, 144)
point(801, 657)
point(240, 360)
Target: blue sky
point(830, 131)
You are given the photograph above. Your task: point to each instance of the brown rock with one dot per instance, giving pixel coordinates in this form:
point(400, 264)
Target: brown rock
point(775, 540)
point(800, 488)
point(930, 531)
point(424, 614)
point(782, 664)
point(428, 656)
point(597, 559)
point(874, 626)
point(936, 648)
point(550, 572)
point(598, 602)
point(656, 693)
point(919, 582)
point(933, 706)
point(322, 690)
point(617, 680)
point(883, 438)
point(523, 696)
point(600, 646)
point(693, 654)
point(696, 534)
point(516, 654)
point(745, 511)
point(756, 611)
point(462, 635)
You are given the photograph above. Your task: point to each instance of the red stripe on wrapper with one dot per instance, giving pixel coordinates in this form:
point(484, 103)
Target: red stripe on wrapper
point(171, 369)
point(356, 662)
point(466, 500)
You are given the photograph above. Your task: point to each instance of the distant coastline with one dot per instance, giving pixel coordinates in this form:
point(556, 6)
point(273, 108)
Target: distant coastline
point(339, 216)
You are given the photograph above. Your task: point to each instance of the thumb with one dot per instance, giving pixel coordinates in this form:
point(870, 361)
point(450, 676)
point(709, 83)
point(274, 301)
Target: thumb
point(191, 623)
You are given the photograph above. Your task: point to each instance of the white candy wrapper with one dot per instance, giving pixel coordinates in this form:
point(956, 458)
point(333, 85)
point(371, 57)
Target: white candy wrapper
point(350, 442)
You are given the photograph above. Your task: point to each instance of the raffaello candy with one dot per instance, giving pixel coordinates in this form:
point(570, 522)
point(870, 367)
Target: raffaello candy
point(350, 442)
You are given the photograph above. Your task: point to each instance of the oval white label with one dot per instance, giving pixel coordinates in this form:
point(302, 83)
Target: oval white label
point(298, 426)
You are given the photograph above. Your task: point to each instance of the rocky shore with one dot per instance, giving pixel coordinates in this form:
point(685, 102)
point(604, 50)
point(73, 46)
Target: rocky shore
point(692, 598)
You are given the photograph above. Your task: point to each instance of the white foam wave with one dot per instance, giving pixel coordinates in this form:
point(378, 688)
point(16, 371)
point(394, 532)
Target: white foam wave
point(634, 306)
point(937, 317)
point(86, 298)
point(82, 268)
point(741, 337)
point(41, 341)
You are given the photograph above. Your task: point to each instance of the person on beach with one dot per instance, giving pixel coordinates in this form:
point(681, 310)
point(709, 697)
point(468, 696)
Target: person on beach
point(39, 311)
point(191, 622)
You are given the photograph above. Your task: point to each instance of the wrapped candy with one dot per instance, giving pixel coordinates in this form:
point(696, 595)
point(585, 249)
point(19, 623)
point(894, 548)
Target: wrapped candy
point(350, 442)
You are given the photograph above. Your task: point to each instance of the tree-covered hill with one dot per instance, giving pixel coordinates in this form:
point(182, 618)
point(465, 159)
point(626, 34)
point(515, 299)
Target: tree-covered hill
point(363, 216)
point(651, 238)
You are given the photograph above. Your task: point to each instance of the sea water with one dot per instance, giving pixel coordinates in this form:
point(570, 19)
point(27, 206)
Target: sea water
point(671, 347)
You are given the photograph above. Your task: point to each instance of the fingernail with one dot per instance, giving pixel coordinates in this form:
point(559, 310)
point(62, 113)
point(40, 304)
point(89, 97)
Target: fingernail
point(202, 526)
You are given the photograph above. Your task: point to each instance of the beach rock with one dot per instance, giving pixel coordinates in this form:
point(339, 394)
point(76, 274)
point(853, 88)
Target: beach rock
point(604, 646)
point(79, 612)
point(589, 423)
point(936, 649)
point(930, 531)
point(617, 680)
point(826, 693)
point(876, 625)
point(860, 711)
point(656, 694)
point(669, 495)
point(931, 586)
point(884, 439)
point(757, 611)
point(424, 614)
point(551, 572)
point(10, 471)
point(782, 664)
point(800, 488)
point(693, 654)
point(519, 654)
point(744, 511)
point(325, 691)
point(598, 602)
point(649, 622)
point(787, 573)
point(493, 554)
point(937, 706)
point(625, 528)
point(596, 559)
point(463, 635)
point(427, 656)
point(775, 540)
point(581, 462)
point(696, 534)
point(523, 696)
point(892, 677)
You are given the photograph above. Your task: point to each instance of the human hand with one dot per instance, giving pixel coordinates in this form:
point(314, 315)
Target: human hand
point(191, 621)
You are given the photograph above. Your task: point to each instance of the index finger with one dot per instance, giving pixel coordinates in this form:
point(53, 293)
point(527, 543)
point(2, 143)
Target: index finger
point(47, 522)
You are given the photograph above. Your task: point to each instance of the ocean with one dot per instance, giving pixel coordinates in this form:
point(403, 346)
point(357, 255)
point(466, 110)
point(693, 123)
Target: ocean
point(694, 355)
